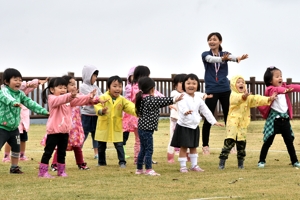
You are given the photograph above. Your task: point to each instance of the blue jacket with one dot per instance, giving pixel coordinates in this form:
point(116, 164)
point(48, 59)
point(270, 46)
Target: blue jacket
point(211, 85)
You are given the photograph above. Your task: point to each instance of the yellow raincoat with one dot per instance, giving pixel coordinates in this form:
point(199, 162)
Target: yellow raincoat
point(109, 126)
point(239, 111)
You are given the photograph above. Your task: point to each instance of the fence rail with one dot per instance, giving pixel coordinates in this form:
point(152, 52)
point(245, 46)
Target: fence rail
point(164, 85)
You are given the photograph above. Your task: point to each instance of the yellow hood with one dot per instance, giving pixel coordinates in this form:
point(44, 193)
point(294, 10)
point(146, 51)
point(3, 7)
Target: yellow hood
point(233, 81)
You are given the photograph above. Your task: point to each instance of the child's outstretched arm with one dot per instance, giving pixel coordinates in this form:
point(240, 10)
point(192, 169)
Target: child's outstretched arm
point(219, 124)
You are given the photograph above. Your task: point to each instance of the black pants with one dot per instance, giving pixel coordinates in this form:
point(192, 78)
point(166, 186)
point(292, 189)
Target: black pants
point(283, 126)
point(102, 155)
point(211, 104)
point(125, 137)
point(228, 144)
point(61, 141)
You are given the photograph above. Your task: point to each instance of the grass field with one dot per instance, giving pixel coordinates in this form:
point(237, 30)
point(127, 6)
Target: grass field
point(278, 180)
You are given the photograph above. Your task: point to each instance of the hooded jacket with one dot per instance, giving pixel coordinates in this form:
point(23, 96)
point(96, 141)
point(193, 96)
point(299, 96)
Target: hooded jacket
point(128, 85)
point(86, 87)
point(239, 111)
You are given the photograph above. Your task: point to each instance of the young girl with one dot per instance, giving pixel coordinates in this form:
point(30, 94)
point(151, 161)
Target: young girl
point(127, 118)
point(147, 109)
point(278, 115)
point(186, 133)
point(216, 82)
point(239, 119)
point(11, 99)
point(139, 72)
point(76, 135)
point(26, 87)
point(177, 84)
point(59, 123)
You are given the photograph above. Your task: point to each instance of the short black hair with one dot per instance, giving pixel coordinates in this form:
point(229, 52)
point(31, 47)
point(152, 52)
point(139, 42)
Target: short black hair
point(10, 73)
point(54, 82)
point(268, 76)
point(192, 77)
point(179, 78)
point(112, 79)
point(96, 72)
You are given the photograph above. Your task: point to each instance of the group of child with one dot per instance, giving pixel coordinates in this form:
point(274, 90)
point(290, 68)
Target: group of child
point(110, 117)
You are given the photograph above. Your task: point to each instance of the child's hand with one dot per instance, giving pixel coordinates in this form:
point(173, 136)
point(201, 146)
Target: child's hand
point(288, 90)
point(179, 98)
point(103, 101)
point(31, 85)
point(104, 110)
point(205, 96)
point(243, 57)
point(92, 93)
point(42, 82)
point(74, 93)
point(188, 112)
point(219, 124)
point(273, 97)
point(173, 107)
point(245, 95)
point(17, 105)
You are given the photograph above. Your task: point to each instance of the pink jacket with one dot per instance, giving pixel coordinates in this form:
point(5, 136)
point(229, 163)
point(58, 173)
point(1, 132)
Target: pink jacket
point(25, 113)
point(60, 111)
point(264, 110)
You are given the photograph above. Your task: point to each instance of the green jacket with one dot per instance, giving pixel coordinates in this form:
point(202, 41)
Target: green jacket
point(9, 114)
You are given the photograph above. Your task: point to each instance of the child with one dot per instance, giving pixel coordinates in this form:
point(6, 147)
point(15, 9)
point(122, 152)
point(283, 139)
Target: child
point(88, 115)
point(109, 125)
point(76, 135)
point(278, 115)
point(139, 72)
point(239, 118)
point(186, 133)
point(11, 99)
point(147, 109)
point(59, 123)
point(177, 84)
point(127, 118)
point(26, 87)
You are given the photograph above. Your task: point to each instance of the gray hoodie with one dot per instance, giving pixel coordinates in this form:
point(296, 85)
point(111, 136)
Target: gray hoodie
point(86, 87)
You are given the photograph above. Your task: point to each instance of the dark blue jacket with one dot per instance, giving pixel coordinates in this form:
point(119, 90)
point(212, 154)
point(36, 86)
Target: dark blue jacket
point(211, 85)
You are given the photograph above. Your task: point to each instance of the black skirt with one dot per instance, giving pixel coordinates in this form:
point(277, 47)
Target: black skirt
point(185, 137)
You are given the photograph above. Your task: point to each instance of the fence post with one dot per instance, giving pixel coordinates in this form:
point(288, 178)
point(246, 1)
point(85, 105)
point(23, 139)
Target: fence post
point(289, 81)
point(252, 89)
point(72, 74)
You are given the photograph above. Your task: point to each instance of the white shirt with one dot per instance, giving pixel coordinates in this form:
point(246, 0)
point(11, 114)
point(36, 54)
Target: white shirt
point(280, 104)
point(197, 106)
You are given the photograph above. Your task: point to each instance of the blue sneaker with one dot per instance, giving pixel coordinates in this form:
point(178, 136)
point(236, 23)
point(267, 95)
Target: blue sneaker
point(262, 165)
point(296, 164)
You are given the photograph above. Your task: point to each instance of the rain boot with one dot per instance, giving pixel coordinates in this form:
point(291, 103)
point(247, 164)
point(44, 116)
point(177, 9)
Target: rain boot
point(61, 170)
point(222, 163)
point(43, 171)
point(241, 164)
point(126, 156)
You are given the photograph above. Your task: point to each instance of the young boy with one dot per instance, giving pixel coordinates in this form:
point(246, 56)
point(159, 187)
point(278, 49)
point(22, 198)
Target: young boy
point(239, 118)
point(11, 99)
point(109, 125)
point(88, 115)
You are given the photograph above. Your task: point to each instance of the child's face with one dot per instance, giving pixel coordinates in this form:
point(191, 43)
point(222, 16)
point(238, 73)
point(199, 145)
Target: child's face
point(191, 86)
point(277, 78)
point(179, 87)
point(94, 78)
point(59, 90)
point(115, 89)
point(15, 83)
point(240, 85)
point(71, 86)
point(214, 42)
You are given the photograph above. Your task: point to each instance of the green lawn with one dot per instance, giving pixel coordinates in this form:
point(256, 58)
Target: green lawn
point(278, 180)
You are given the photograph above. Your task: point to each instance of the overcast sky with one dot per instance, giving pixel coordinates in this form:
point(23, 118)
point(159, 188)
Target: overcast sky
point(52, 37)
